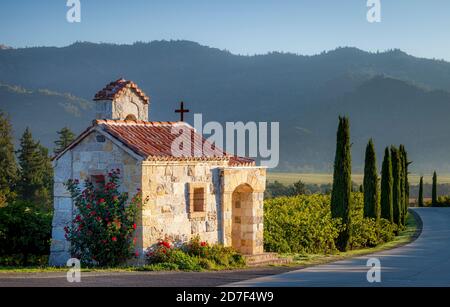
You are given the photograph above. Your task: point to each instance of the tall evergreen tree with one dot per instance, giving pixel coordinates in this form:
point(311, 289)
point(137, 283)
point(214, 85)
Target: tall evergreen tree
point(396, 185)
point(402, 184)
point(405, 183)
point(434, 199)
point(66, 136)
point(35, 172)
point(341, 202)
point(371, 201)
point(420, 201)
point(387, 188)
point(8, 165)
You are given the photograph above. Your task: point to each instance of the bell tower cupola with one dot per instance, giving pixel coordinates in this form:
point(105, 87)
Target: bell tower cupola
point(122, 100)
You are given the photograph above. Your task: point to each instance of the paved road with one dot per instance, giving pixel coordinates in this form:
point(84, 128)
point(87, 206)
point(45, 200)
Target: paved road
point(137, 279)
point(425, 262)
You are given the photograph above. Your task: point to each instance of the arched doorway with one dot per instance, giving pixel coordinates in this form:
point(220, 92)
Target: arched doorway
point(242, 231)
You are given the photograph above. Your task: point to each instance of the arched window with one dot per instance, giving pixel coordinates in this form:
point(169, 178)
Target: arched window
point(130, 117)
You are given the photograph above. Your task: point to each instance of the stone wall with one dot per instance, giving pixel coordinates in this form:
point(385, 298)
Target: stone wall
point(167, 213)
point(128, 103)
point(243, 208)
point(88, 158)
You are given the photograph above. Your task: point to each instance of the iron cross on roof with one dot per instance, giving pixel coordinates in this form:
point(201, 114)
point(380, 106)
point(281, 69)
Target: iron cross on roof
point(182, 110)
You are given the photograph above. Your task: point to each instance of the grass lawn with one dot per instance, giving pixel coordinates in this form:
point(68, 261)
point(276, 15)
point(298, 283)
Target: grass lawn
point(406, 236)
point(290, 178)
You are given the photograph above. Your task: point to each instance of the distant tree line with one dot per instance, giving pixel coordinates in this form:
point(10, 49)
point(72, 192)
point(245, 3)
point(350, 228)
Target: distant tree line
point(26, 196)
point(433, 190)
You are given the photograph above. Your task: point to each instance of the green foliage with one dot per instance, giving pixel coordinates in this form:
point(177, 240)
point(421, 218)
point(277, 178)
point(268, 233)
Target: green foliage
point(299, 188)
point(405, 183)
point(66, 136)
point(8, 165)
point(341, 202)
point(396, 186)
point(371, 193)
point(25, 232)
point(194, 256)
point(277, 189)
point(102, 232)
point(301, 224)
point(434, 199)
point(368, 232)
point(387, 210)
point(420, 200)
point(36, 172)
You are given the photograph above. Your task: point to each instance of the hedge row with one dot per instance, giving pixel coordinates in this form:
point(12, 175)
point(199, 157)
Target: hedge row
point(303, 224)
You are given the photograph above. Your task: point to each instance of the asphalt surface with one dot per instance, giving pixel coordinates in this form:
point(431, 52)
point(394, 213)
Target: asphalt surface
point(422, 263)
point(136, 279)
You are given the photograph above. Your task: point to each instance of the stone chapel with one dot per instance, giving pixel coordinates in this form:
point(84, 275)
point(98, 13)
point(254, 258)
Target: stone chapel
point(214, 195)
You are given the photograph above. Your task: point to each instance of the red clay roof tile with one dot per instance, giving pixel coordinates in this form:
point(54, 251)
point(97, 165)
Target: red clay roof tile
point(153, 141)
point(117, 88)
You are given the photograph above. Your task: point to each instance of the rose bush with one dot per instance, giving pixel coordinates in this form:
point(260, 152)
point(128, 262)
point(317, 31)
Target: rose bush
point(102, 232)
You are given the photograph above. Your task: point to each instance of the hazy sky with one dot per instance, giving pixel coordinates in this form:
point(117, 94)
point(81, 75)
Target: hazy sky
point(419, 27)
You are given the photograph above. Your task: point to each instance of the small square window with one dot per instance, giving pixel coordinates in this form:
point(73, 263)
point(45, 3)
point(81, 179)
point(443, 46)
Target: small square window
point(101, 138)
point(98, 181)
point(197, 200)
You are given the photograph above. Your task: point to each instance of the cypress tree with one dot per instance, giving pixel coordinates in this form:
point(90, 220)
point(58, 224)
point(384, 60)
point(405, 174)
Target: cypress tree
point(8, 165)
point(405, 183)
point(402, 184)
point(396, 186)
point(434, 200)
point(386, 187)
point(66, 136)
point(341, 203)
point(36, 172)
point(371, 203)
point(420, 201)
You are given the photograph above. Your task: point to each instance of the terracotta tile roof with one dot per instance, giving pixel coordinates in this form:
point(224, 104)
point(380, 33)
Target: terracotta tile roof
point(116, 88)
point(153, 141)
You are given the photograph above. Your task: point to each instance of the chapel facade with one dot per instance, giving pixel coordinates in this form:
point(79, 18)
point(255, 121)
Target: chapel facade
point(214, 195)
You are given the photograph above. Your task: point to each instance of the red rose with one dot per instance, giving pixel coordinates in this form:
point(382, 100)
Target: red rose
point(114, 239)
point(134, 226)
point(101, 200)
point(166, 244)
point(136, 254)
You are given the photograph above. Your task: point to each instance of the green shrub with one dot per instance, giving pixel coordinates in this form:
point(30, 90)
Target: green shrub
point(195, 255)
point(300, 224)
point(25, 234)
point(102, 233)
point(164, 266)
point(303, 224)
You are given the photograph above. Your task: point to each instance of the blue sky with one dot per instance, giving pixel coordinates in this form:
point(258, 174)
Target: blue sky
point(419, 27)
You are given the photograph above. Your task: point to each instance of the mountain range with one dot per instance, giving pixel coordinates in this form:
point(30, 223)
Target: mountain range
point(389, 96)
